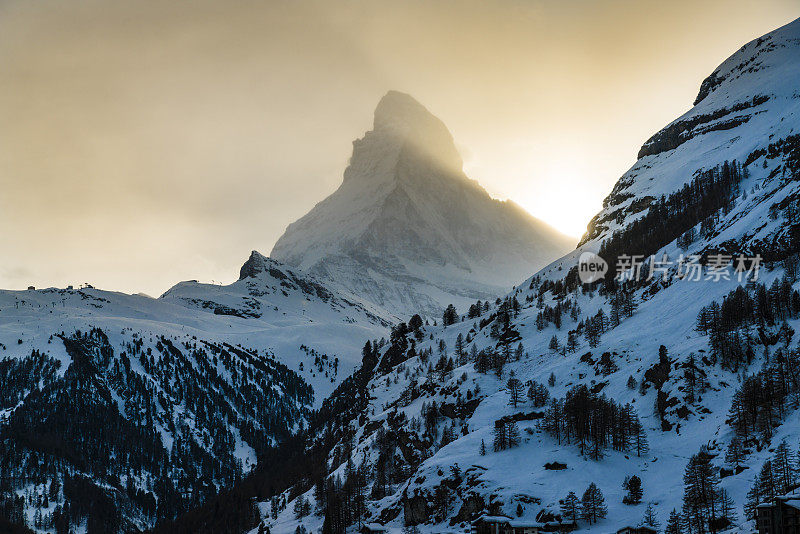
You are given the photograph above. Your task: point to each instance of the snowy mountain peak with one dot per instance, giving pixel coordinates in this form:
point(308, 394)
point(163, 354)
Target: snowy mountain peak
point(403, 131)
point(408, 231)
point(754, 62)
point(396, 108)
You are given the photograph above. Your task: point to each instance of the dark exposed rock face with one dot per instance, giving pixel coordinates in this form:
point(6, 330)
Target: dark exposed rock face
point(708, 85)
point(388, 514)
point(416, 510)
point(253, 266)
point(679, 132)
point(472, 507)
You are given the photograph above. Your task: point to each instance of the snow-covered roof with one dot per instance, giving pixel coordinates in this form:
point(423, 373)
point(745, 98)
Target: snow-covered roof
point(517, 523)
point(790, 499)
point(492, 519)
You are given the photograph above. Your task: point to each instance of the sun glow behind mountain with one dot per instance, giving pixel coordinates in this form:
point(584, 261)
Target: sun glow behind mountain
point(144, 142)
point(556, 190)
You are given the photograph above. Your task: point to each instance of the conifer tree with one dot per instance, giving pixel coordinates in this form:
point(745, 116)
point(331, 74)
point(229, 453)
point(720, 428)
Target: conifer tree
point(727, 506)
point(650, 519)
point(512, 433)
point(784, 473)
point(633, 485)
point(674, 523)
point(735, 453)
point(570, 507)
point(514, 388)
point(701, 494)
point(593, 506)
point(500, 437)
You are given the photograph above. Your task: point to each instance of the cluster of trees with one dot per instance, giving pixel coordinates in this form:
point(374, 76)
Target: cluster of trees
point(450, 315)
point(302, 507)
point(477, 309)
point(322, 362)
point(400, 347)
point(707, 508)
point(109, 458)
point(591, 507)
point(552, 314)
point(18, 376)
point(559, 288)
point(304, 459)
point(594, 327)
point(507, 309)
point(778, 476)
point(670, 217)
point(726, 323)
point(506, 435)
point(388, 469)
point(595, 423)
point(623, 304)
point(765, 398)
point(342, 500)
point(488, 361)
point(538, 393)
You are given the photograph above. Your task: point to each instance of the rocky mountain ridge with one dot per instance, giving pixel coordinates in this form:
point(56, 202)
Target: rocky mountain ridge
point(408, 231)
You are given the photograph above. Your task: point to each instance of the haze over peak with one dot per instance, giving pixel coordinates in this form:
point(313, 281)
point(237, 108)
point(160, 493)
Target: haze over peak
point(402, 127)
point(407, 230)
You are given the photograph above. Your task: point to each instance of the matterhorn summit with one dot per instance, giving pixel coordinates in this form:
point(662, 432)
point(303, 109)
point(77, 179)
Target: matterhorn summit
point(408, 231)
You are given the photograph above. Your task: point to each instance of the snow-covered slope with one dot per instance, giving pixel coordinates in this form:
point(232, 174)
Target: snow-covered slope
point(408, 231)
point(273, 307)
point(747, 111)
point(153, 405)
point(739, 149)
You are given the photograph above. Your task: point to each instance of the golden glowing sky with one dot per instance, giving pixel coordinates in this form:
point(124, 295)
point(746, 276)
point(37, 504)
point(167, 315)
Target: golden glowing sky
point(147, 142)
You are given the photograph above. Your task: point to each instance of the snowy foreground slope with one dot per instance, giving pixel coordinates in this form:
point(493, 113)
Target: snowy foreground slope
point(149, 406)
point(408, 231)
point(724, 388)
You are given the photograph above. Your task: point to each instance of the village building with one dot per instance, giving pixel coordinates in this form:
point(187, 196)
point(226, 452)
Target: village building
point(500, 524)
point(637, 530)
point(781, 516)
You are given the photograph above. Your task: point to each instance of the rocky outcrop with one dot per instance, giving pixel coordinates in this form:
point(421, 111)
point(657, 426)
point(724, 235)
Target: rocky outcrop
point(470, 509)
point(681, 131)
point(416, 509)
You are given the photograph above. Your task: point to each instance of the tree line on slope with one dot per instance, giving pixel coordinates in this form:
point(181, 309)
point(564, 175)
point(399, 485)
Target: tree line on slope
point(594, 423)
point(727, 323)
point(94, 432)
point(669, 217)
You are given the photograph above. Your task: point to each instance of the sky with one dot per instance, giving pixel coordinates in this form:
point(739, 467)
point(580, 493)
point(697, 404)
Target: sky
point(143, 143)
